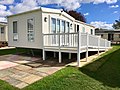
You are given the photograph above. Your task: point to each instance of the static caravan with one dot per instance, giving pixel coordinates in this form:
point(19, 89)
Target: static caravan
point(51, 30)
point(3, 33)
point(111, 35)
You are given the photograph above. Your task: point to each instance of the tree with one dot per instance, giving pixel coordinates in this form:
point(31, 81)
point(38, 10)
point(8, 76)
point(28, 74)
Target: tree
point(116, 25)
point(76, 15)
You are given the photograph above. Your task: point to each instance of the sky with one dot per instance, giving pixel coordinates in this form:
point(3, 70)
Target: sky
point(99, 13)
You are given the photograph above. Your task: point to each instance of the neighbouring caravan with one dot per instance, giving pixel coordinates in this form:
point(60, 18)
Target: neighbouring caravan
point(111, 35)
point(3, 34)
point(52, 30)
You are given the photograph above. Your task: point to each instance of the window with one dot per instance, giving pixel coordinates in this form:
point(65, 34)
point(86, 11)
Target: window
point(67, 31)
point(15, 32)
point(67, 27)
point(58, 26)
point(53, 27)
point(63, 26)
point(83, 29)
point(15, 27)
point(119, 35)
point(75, 27)
point(53, 30)
point(91, 31)
point(101, 35)
point(30, 28)
point(2, 30)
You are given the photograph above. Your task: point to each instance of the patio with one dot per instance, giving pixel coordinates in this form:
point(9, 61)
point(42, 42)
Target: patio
point(22, 70)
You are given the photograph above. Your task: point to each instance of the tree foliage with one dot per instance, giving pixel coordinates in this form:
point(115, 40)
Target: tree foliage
point(76, 15)
point(116, 25)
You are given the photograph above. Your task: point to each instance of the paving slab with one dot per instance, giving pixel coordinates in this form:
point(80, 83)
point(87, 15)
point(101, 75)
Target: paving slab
point(12, 80)
point(35, 72)
point(34, 64)
point(21, 85)
point(21, 71)
point(23, 67)
point(31, 79)
point(7, 64)
point(4, 73)
point(19, 75)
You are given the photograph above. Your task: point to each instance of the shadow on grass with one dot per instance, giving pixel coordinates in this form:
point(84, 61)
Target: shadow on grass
point(106, 69)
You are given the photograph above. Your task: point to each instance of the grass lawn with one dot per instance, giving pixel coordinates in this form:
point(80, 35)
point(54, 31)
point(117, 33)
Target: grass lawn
point(6, 86)
point(102, 74)
point(11, 51)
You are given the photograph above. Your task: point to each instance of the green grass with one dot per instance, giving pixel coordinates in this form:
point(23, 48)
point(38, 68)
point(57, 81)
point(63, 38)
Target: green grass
point(11, 51)
point(102, 74)
point(6, 86)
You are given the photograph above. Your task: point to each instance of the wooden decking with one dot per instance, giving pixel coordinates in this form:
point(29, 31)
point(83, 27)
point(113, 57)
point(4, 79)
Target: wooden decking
point(73, 50)
point(73, 43)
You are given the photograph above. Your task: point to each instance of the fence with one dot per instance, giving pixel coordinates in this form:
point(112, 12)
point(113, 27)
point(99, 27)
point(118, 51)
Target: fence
point(71, 40)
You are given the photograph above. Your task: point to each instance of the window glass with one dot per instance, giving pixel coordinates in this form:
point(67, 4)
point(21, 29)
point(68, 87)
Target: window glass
point(63, 26)
point(75, 28)
point(78, 28)
point(101, 35)
point(58, 25)
point(15, 27)
point(2, 30)
point(119, 35)
point(53, 27)
point(83, 29)
point(67, 27)
point(91, 31)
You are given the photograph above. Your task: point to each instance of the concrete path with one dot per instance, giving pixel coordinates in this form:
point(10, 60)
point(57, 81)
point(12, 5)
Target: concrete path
point(20, 71)
point(84, 62)
point(2, 48)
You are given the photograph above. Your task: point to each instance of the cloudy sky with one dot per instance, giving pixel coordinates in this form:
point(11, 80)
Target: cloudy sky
point(100, 13)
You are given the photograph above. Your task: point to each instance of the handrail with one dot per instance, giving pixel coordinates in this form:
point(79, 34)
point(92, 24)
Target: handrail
point(71, 40)
point(59, 33)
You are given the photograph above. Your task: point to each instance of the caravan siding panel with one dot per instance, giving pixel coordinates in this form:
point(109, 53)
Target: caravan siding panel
point(85, 28)
point(116, 37)
point(47, 24)
point(104, 36)
point(90, 30)
point(23, 32)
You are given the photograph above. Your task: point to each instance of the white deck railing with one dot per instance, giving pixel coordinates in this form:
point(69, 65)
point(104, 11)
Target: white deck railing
point(71, 40)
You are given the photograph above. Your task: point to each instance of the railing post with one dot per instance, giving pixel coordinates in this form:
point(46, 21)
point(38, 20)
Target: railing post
point(43, 54)
point(105, 44)
point(98, 45)
point(43, 48)
point(54, 55)
point(59, 50)
point(109, 43)
point(69, 55)
point(87, 46)
point(79, 45)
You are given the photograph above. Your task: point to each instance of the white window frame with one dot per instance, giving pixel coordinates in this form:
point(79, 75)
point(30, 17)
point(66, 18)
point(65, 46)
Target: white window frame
point(15, 34)
point(31, 31)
